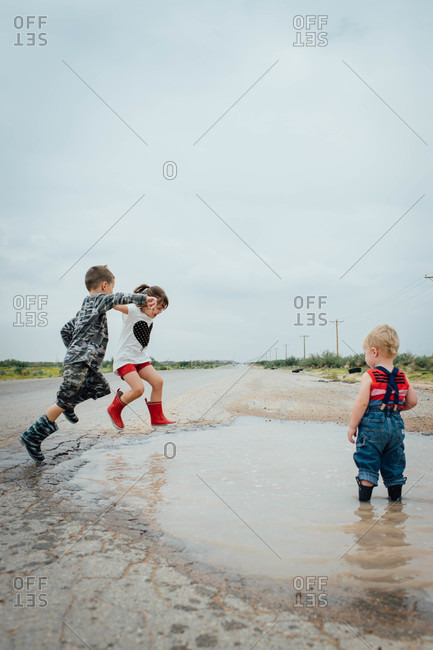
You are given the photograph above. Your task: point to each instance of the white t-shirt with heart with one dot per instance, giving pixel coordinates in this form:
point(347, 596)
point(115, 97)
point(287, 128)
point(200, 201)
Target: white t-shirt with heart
point(134, 338)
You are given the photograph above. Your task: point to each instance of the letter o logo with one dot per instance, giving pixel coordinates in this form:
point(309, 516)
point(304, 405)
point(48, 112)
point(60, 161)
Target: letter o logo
point(173, 450)
point(169, 170)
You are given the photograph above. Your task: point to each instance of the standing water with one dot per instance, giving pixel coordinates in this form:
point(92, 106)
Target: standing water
point(276, 499)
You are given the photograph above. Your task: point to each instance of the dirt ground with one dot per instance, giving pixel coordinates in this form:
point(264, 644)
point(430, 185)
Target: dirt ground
point(292, 396)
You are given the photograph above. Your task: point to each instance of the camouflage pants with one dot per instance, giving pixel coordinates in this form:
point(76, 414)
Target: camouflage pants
point(80, 383)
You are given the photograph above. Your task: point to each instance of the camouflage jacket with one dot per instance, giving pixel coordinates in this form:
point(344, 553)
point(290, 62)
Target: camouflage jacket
point(86, 335)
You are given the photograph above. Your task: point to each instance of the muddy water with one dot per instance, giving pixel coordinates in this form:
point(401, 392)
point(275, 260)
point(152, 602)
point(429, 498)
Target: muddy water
point(276, 499)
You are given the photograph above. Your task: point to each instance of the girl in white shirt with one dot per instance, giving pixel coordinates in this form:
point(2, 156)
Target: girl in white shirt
point(132, 361)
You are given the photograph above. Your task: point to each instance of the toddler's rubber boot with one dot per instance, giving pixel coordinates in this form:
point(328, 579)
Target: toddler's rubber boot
point(157, 417)
point(365, 492)
point(35, 435)
point(115, 409)
point(394, 492)
point(71, 416)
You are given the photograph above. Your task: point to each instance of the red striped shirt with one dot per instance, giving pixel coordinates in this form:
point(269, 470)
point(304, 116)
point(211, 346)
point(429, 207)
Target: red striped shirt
point(380, 384)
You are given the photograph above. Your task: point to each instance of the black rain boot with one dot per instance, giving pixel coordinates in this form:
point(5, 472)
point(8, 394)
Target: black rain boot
point(35, 435)
point(71, 416)
point(365, 491)
point(394, 492)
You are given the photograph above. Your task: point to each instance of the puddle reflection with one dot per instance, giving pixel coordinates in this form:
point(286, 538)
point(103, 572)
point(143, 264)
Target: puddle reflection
point(275, 499)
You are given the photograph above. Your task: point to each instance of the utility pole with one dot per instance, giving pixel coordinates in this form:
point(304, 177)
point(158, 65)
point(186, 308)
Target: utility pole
point(285, 356)
point(304, 336)
point(336, 330)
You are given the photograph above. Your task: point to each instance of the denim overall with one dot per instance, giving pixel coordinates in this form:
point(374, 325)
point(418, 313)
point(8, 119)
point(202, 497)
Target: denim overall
point(379, 445)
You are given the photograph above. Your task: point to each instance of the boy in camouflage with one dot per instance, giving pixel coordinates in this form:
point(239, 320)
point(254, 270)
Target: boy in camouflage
point(86, 339)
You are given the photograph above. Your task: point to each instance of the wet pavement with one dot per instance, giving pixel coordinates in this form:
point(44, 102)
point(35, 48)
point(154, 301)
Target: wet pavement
point(239, 536)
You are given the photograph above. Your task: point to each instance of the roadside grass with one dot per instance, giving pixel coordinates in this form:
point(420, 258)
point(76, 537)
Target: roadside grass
point(14, 369)
point(336, 368)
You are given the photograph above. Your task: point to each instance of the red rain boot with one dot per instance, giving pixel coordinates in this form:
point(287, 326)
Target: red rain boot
point(157, 417)
point(115, 409)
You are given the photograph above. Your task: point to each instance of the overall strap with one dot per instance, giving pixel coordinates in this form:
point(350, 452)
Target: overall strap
point(392, 385)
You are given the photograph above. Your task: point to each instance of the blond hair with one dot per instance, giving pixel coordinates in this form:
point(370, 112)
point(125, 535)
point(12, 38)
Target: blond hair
point(384, 338)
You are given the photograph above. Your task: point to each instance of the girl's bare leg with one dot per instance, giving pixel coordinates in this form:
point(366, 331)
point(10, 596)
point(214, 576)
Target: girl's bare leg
point(150, 375)
point(136, 385)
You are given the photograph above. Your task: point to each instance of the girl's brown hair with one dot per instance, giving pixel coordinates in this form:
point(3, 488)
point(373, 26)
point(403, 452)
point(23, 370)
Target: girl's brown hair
point(155, 292)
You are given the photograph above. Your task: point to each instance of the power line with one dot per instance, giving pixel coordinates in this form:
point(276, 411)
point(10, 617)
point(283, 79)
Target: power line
point(385, 300)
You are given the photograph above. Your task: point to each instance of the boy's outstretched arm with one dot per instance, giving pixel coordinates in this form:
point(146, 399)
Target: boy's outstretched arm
point(411, 399)
point(359, 407)
point(107, 301)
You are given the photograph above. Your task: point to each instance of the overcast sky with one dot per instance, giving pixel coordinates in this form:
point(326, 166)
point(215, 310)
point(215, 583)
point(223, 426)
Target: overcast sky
point(313, 179)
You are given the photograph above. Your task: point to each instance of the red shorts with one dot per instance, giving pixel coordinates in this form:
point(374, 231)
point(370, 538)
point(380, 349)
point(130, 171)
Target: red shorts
point(130, 367)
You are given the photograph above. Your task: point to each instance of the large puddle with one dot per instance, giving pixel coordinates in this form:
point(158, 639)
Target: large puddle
point(275, 499)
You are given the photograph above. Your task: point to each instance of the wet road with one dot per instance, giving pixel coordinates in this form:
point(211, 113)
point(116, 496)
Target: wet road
point(23, 401)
